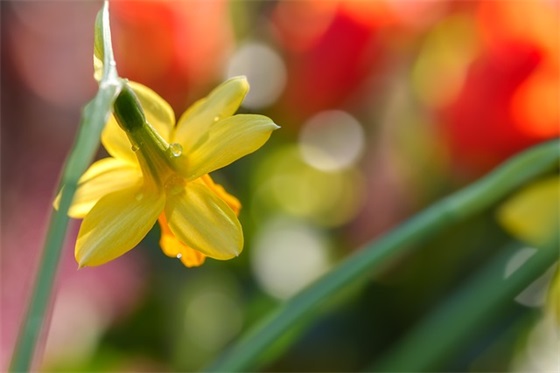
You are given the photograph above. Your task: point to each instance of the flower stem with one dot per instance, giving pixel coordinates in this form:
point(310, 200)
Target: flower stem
point(247, 354)
point(93, 119)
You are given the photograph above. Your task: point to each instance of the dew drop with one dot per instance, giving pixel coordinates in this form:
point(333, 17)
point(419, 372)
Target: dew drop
point(216, 118)
point(134, 148)
point(175, 149)
point(179, 256)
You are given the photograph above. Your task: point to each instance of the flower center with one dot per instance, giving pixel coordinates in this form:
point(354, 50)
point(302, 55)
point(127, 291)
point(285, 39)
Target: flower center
point(174, 184)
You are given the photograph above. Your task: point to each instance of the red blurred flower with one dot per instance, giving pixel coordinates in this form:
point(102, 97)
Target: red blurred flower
point(511, 95)
point(178, 48)
point(329, 49)
point(335, 50)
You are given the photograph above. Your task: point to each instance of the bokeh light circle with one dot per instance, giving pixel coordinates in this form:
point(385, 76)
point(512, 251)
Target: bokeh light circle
point(264, 70)
point(331, 140)
point(285, 183)
point(287, 255)
point(206, 318)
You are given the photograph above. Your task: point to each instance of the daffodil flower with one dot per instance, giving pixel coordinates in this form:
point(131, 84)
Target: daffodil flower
point(533, 216)
point(158, 171)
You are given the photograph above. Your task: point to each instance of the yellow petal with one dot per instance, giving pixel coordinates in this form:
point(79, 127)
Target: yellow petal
point(203, 221)
point(227, 141)
point(116, 224)
point(116, 142)
point(222, 193)
point(103, 177)
point(158, 113)
point(174, 248)
point(533, 215)
point(221, 103)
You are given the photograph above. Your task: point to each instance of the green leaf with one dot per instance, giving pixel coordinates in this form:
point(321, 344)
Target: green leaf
point(537, 161)
point(94, 117)
point(472, 308)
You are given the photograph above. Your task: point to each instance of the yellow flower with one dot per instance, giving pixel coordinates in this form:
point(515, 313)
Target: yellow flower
point(158, 171)
point(533, 214)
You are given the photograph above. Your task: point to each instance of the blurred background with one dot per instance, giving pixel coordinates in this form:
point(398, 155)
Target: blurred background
point(386, 106)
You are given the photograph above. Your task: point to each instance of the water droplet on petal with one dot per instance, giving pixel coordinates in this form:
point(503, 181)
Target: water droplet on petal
point(179, 256)
point(175, 149)
point(134, 148)
point(216, 118)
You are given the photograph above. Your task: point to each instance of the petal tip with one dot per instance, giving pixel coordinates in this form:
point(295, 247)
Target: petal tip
point(240, 78)
point(240, 82)
point(81, 264)
point(238, 250)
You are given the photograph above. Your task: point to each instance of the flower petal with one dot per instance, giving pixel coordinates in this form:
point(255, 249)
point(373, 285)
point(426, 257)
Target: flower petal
point(221, 103)
point(174, 248)
point(203, 221)
point(103, 177)
point(116, 142)
point(116, 224)
point(227, 141)
point(158, 114)
point(231, 201)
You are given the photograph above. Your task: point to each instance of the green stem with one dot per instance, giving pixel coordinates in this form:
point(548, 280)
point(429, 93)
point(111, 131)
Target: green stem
point(93, 119)
point(245, 355)
point(440, 336)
